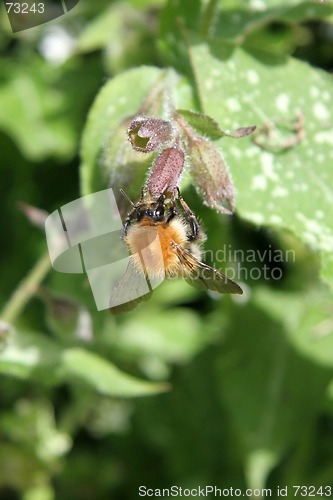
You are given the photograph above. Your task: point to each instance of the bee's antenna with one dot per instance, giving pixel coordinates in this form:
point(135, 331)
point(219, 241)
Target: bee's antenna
point(129, 199)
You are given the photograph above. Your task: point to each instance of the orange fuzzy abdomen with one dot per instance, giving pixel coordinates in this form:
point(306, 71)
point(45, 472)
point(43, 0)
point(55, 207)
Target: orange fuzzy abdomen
point(151, 246)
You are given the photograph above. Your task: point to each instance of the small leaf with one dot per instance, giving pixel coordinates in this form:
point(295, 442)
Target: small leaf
point(241, 132)
point(105, 377)
point(204, 124)
point(207, 126)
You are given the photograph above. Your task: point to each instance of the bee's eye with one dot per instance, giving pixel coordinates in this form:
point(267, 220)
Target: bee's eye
point(159, 212)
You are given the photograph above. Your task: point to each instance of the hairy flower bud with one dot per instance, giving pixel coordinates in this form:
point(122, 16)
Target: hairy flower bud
point(148, 134)
point(210, 175)
point(166, 172)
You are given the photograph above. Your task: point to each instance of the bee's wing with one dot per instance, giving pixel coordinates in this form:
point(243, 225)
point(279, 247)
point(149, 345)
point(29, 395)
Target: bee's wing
point(132, 289)
point(204, 277)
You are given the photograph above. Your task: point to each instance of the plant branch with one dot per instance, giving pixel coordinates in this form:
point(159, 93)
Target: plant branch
point(26, 289)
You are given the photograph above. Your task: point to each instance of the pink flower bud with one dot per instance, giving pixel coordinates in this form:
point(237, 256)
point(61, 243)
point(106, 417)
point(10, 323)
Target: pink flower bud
point(149, 134)
point(166, 171)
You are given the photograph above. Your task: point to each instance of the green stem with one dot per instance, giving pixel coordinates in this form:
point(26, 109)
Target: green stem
point(208, 18)
point(26, 289)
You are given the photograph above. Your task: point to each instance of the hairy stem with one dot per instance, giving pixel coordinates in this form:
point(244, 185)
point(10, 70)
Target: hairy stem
point(26, 289)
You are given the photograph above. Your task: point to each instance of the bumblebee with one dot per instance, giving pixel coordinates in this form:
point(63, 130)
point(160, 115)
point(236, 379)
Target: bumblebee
point(165, 240)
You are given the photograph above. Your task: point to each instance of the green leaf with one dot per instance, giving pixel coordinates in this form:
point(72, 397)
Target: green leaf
point(237, 20)
point(304, 11)
point(207, 126)
point(34, 104)
point(174, 17)
point(203, 123)
point(126, 34)
point(103, 29)
point(104, 377)
point(262, 385)
point(22, 112)
point(30, 355)
point(291, 189)
point(306, 318)
point(174, 338)
point(118, 100)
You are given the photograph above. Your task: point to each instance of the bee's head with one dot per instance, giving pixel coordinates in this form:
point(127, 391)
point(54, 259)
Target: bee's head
point(154, 210)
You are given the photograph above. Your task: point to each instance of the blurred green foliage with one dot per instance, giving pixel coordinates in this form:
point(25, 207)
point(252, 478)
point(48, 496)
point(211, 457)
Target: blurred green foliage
point(233, 392)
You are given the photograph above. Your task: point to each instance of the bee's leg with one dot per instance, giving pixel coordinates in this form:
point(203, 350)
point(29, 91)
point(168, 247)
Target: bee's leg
point(125, 227)
point(131, 213)
point(128, 220)
point(173, 212)
point(195, 226)
point(160, 201)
